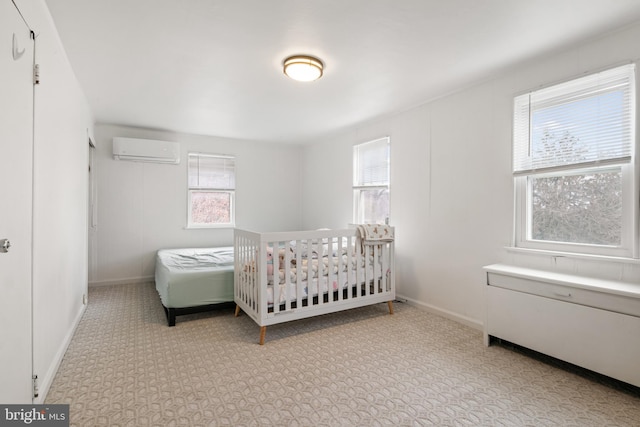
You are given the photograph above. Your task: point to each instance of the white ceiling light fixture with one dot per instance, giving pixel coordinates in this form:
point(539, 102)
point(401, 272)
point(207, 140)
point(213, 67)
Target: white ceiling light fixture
point(303, 68)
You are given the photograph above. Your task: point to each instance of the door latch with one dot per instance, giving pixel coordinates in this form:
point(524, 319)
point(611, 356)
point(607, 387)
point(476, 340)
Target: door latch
point(5, 244)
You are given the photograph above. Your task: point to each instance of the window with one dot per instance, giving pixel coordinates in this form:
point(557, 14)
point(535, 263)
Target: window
point(574, 154)
point(371, 182)
point(212, 183)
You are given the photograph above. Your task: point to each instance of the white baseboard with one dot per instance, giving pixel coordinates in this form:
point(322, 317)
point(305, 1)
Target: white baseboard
point(130, 280)
point(472, 323)
point(44, 383)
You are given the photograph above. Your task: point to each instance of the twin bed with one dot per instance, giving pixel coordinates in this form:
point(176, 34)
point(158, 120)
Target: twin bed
point(193, 280)
point(284, 276)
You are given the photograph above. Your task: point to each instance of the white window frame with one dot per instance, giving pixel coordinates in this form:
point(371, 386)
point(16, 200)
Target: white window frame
point(203, 189)
point(630, 177)
point(358, 211)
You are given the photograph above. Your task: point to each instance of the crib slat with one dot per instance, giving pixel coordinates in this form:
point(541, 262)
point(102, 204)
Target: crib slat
point(325, 278)
point(341, 280)
point(276, 277)
point(359, 272)
point(367, 254)
point(250, 286)
point(330, 275)
point(371, 269)
point(299, 287)
point(241, 248)
point(309, 272)
point(381, 262)
point(374, 268)
point(370, 266)
point(353, 266)
point(385, 268)
point(262, 278)
point(239, 268)
point(320, 275)
point(287, 277)
point(255, 276)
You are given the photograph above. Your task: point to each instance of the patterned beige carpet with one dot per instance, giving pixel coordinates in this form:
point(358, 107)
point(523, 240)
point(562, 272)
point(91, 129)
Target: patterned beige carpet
point(362, 367)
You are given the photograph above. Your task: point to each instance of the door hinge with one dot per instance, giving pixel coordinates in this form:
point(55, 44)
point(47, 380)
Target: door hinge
point(35, 386)
point(36, 74)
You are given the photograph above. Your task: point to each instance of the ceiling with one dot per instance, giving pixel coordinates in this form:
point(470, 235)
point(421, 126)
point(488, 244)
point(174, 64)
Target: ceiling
point(214, 67)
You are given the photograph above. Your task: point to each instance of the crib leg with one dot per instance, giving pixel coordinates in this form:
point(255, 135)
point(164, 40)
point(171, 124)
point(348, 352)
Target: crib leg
point(263, 332)
point(390, 304)
point(237, 313)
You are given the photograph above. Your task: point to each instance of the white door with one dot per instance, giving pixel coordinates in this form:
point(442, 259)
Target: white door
point(16, 153)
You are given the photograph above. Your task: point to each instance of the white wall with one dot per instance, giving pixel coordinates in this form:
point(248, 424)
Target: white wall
point(142, 207)
point(451, 184)
point(62, 119)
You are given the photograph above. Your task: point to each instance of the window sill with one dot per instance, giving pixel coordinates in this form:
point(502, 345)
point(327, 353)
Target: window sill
point(572, 255)
point(209, 227)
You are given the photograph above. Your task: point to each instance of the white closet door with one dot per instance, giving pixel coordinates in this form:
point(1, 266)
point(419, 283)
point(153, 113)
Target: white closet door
point(16, 153)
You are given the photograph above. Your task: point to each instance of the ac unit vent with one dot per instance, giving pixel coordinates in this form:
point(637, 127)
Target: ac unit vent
point(146, 150)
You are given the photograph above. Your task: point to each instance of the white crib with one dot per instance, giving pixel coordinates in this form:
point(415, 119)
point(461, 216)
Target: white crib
point(287, 276)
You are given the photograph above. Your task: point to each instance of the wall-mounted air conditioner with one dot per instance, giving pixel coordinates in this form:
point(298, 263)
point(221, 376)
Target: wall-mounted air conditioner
point(146, 150)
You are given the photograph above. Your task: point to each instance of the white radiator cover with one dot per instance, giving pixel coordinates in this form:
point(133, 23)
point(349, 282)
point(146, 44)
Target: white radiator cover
point(588, 322)
point(146, 150)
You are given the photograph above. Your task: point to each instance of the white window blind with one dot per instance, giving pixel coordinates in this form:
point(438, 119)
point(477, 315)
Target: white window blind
point(371, 166)
point(585, 122)
point(211, 172)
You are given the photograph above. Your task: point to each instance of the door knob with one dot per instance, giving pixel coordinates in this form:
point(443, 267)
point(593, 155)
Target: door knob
point(5, 244)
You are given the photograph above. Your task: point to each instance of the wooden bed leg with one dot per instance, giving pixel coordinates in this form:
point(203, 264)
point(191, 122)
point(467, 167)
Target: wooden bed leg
point(263, 332)
point(390, 304)
point(237, 311)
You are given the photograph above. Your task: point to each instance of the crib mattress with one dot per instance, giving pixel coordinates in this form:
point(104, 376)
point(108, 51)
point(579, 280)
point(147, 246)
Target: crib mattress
point(287, 289)
point(194, 276)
